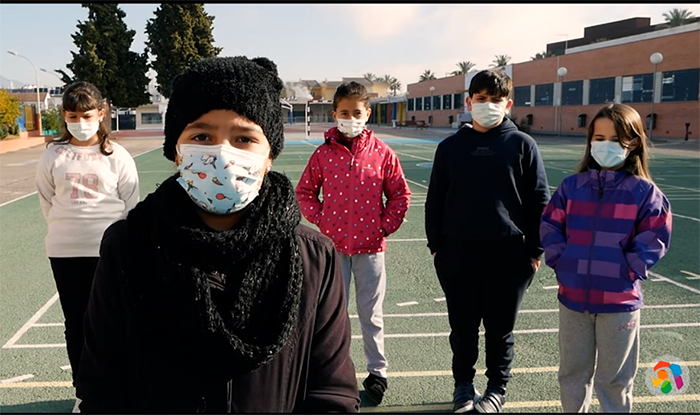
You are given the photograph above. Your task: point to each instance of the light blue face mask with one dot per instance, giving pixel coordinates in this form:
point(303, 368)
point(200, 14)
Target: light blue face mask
point(220, 179)
point(608, 153)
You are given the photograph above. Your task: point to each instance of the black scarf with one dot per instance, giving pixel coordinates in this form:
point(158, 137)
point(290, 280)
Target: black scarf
point(244, 324)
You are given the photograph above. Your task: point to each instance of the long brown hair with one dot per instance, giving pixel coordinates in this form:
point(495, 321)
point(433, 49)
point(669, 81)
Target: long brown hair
point(630, 132)
point(84, 96)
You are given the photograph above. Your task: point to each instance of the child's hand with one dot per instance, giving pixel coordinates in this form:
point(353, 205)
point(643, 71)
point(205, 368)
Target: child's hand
point(536, 263)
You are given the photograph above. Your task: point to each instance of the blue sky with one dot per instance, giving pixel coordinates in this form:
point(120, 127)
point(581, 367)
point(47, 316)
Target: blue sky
point(331, 41)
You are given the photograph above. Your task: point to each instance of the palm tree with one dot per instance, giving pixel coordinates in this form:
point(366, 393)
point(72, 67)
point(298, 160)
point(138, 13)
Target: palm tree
point(678, 17)
point(370, 77)
point(542, 55)
point(427, 76)
point(464, 67)
point(501, 60)
point(394, 85)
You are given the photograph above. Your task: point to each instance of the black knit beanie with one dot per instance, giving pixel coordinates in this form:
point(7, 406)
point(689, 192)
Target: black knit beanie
point(250, 87)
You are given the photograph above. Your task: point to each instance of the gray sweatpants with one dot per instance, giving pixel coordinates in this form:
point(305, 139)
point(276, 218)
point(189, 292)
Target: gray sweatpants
point(370, 286)
point(615, 338)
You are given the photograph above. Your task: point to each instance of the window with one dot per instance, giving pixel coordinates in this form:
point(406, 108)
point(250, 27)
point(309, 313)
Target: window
point(522, 96)
point(419, 104)
point(459, 101)
point(436, 102)
point(426, 103)
point(637, 88)
point(410, 104)
point(572, 93)
point(151, 118)
point(680, 85)
point(447, 102)
point(544, 94)
point(601, 91)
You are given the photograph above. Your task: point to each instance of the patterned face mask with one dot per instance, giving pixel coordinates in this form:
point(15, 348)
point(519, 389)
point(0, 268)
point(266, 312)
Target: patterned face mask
point(220, 179)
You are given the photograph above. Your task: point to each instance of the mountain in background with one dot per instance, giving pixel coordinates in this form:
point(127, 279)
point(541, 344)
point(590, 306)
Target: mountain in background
point(7, 83)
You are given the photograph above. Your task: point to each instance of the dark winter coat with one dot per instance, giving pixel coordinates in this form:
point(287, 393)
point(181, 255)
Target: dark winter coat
point(186, 319)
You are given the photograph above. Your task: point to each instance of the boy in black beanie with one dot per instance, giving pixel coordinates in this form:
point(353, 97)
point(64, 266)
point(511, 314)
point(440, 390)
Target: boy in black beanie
point(211, 296)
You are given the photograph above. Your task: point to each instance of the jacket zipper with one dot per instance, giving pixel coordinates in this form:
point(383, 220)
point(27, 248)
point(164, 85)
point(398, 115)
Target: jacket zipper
point(601, 184)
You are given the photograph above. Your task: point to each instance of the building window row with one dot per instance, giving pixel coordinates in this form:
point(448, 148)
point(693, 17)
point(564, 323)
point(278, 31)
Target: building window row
point(439, 102)
point(680, 85)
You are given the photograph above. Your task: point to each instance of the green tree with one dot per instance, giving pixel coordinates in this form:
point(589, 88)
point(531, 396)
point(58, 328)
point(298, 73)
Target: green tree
point(370, 77)
point(464, 67)
point(501, 60)
point(542, 55)
point(51, 120)
point(678, 17)
point(427, 76)
point(10, 109)
point(104, 57)
point(179, 35)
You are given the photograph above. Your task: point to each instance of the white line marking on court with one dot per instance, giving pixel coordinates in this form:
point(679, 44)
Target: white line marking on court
point(529, 331)
point(34, 192)
point(655, 279)
point(407, 240)
point(11, 343)
point(17, 379)
point(66, 367)
point(36, 346)
point(407, 303)
point(692, 274)
point(48, 325)
point(686, 217)
point(691, 289)
point(531, 311)
point(550, 287)
point(417, 184)
point(22, 164)
point(536, 369)
point(447, 407)
point(439, 300)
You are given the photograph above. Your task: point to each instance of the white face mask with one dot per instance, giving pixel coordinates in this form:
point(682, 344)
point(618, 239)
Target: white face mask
point(83, 131)
point(608, 153)
point(487, 114)
point(220, 179)
point(351, 127)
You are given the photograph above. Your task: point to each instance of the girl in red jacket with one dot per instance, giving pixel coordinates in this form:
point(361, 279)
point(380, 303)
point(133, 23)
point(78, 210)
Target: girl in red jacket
point(355, 168)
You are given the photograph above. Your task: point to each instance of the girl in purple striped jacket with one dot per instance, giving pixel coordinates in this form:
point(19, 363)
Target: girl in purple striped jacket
point(602, 230)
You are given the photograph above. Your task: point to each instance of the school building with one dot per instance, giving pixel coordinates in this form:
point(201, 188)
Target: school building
point(610, 63)
point(560, 94)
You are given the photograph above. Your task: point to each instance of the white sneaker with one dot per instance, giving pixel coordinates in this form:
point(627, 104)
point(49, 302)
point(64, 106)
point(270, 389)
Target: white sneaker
point(76, 407)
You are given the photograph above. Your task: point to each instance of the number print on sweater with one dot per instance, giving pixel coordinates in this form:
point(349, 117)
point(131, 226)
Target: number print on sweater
point(87, 184)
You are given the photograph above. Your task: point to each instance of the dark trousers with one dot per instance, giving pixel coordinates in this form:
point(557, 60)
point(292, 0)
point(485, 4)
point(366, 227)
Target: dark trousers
point(483, 281)
point(73, 278)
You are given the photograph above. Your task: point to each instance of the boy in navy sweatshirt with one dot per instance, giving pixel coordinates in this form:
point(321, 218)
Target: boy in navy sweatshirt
point(487, 191)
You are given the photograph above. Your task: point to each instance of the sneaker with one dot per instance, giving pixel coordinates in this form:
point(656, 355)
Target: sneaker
point(492, 401)
point(465, 395)
point(375, 386)
point(76, 407)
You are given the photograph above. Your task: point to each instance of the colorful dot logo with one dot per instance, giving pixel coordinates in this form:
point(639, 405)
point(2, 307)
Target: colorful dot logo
point(667, 377)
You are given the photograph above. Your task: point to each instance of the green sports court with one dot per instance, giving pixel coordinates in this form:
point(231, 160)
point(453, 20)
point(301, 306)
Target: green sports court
point(35, 373)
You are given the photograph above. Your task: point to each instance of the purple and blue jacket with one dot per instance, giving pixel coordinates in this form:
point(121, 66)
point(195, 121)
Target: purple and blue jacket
point(601, 232)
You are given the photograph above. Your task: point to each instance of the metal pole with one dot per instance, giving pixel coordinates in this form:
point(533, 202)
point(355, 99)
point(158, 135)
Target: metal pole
point(38, 100)
point(652, 123)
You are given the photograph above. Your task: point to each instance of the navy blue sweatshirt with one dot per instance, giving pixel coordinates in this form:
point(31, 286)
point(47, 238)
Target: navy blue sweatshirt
point(486, 186)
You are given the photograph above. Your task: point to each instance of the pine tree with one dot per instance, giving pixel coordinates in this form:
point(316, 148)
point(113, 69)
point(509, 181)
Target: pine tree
point(179, 35)
point(104, 57)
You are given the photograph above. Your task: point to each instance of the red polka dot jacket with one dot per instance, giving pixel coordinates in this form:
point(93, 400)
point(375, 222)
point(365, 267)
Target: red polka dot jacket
point(353, 213)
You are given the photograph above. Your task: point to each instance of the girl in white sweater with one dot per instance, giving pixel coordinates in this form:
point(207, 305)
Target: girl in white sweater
point(85, 183)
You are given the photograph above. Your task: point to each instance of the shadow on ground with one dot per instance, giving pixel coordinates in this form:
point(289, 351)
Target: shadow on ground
point(63, 406)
